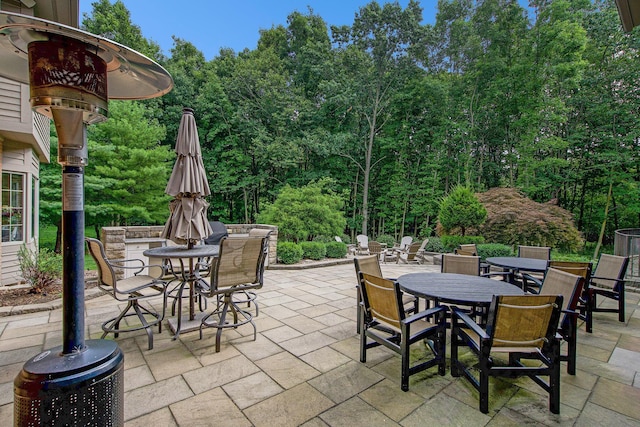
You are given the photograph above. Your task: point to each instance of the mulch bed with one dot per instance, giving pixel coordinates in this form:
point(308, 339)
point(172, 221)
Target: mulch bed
point(21, 295)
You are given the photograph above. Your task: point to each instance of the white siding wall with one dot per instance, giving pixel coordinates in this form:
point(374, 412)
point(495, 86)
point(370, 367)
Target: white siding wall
point(19, 158)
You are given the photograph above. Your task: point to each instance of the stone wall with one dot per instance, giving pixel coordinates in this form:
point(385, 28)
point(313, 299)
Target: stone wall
point(115, 239)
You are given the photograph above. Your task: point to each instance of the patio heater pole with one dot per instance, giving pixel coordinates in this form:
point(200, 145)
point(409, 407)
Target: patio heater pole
point(80, 382)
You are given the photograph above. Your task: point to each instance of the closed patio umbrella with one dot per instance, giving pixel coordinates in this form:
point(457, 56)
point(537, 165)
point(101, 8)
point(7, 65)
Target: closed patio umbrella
point(187, 223)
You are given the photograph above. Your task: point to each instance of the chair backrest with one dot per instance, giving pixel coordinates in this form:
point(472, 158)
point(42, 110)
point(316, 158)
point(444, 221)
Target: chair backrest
point(260, 232)
point(412, 251)
point(579, 268)
point(382, 298)
point(106, 274)
point(558, 282)
point(465, 252)
point(470, 247)
point(523, 321)
point(423, 245)
point(239, 262)
point(460, 264)
point(338, 239)
point(610, 271)
point(375, 248)
point(405, 242)
point(369, 264)
point(536, 252)
point(363, 241)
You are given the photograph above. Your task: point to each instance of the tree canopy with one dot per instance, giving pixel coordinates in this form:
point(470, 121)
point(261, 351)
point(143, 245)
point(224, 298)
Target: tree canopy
point(398, 113)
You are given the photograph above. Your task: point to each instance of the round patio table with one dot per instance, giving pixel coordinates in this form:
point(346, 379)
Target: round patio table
point(519, 264)
point(189, 273)
point(456, 288)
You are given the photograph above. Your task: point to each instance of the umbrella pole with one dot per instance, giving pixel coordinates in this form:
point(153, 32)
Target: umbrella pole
point(192, 314)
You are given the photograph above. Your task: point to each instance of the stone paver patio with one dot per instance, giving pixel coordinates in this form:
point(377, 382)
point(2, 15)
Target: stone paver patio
point(304, 368)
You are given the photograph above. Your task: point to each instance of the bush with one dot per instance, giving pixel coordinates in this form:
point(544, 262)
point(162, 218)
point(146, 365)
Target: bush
point(324, 239)
point(289, 252)
point(313, 250)
point(386, 238)
point(488, 250)
point(336, 250)
point(305, 212)
point(39, 269)
point(461, 209)
point(513, 219)
point(452, 242)
point(434, 245)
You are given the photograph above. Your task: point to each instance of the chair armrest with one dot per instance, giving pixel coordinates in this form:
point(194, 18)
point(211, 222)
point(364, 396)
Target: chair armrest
point(461, 315)
point(426, 313)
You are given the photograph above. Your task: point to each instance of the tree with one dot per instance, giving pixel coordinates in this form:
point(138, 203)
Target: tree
point(113, 21)
point(306, 212)
point(380, 41)
point(128, 169)
point(461, 209)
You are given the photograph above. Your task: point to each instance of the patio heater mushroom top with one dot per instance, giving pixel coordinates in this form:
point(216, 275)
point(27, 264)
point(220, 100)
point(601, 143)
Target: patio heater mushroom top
point(131, 75)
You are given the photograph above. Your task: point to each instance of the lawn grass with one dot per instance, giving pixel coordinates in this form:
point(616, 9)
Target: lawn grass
point(48, 240)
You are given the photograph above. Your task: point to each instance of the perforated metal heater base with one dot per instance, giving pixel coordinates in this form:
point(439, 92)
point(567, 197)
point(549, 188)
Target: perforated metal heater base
point(83, 389)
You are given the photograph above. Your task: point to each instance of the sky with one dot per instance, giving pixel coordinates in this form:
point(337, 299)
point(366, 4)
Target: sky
point(213, 24)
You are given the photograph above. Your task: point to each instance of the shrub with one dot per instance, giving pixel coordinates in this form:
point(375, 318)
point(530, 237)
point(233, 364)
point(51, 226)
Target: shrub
point(39, 269)
point(386, 238)
point(513, 219)
point(305, 212)
point(488, 250)
point(336, 250)
point(324, 239)
point(452, 242)
point(289, 252)
point(461, 209)
point(313, 250)
point(434, 245)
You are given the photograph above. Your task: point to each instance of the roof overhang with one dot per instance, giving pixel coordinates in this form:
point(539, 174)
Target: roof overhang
point(629, 11)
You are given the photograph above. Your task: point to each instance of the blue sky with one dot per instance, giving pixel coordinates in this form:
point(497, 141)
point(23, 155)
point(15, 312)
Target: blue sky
point(212, 24)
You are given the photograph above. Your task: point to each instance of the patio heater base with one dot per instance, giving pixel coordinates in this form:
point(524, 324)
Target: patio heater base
point(79, 389)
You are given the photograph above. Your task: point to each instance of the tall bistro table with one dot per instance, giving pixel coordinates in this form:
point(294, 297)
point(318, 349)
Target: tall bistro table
point(518, 264)
point(451, 288)
point(189, 274)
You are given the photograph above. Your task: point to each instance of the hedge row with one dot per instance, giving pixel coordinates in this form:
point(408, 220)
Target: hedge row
point(292, 253)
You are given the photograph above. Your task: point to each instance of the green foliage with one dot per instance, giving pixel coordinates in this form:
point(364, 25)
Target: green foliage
point(324, 239)
point(461, 209)
point(39, 269)
point(398, 112)
point(289, 252)
point(128, 171)
point(305, 212)
point(386, 238)
point(313, 250)
point(452, 242)
point(487, 250)
point(434, 245)
point(336, 249)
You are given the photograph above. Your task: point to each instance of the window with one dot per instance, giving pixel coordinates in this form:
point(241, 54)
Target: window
point(12, 206)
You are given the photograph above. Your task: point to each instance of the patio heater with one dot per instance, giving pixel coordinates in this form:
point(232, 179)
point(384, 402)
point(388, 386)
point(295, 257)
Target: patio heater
point(72, 74)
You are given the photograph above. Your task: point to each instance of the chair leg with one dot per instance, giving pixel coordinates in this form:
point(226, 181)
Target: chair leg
point(484, 385)
point(621, 304)
point(115, 323)
point(144, 322)
point(554, 379)
point(223, 317)
point(591, 305)
point(404, 355)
